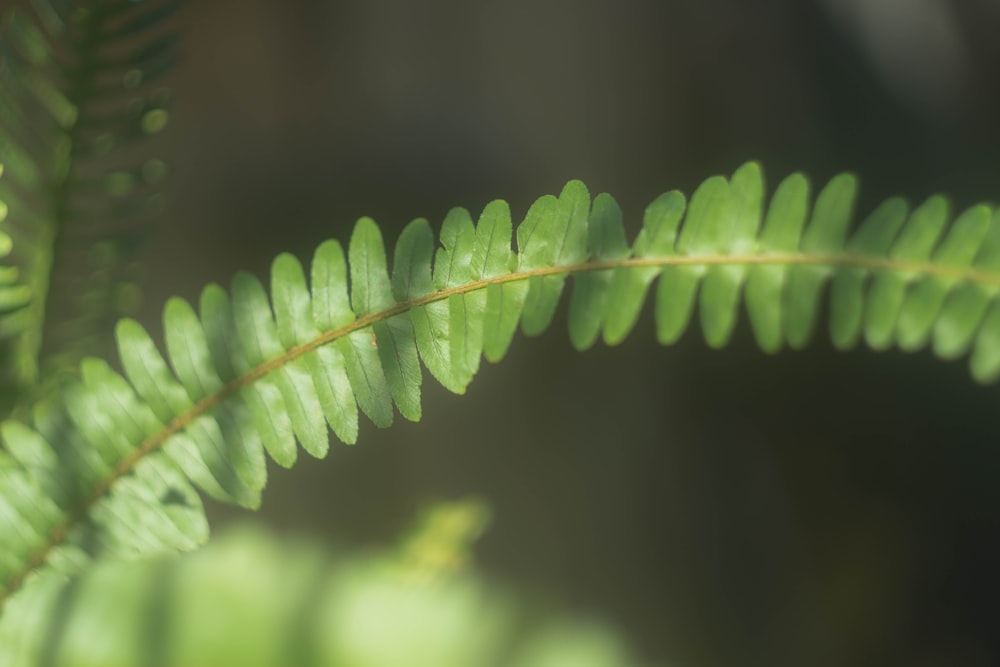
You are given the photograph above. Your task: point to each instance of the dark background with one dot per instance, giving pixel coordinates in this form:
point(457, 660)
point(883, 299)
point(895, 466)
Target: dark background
point(721, 508)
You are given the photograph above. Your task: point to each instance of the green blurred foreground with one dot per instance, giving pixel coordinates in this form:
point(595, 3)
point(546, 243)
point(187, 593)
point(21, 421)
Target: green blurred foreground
point(252, 600)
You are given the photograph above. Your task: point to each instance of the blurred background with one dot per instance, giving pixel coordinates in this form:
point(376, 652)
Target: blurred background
point(720, 508)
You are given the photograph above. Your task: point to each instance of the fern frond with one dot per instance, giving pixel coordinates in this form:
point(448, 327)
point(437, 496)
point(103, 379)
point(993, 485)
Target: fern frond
point(252, 600)
point(79, 85)
point(108, 472)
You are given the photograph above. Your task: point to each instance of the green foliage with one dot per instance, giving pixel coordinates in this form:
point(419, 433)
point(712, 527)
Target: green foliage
point(263, 369)
point(248, 600)
point(107, 466)
point(81, 87)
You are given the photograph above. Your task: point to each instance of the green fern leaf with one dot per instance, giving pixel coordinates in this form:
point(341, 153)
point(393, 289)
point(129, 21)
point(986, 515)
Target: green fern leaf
point(780, 235)
point(701, 235)
point(722, 284)
point(847, 293)
point(962, 314)
point(888, 290)
point(332, 311)
point(825, 234)
point(371, 292)
point(628, 287)
point(271, 368)
point(553, 233)
point(924, 301)
point(588, 301)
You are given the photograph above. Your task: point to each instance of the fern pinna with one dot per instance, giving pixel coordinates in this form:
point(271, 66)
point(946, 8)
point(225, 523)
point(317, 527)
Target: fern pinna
point(110, 468)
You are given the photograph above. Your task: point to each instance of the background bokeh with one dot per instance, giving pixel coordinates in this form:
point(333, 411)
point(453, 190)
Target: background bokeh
point(721, 508)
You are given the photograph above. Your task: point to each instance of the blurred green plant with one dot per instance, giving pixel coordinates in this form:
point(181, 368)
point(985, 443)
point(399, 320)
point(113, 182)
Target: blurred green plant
point(101, 468)
point(249, 600)
point(80, 85)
